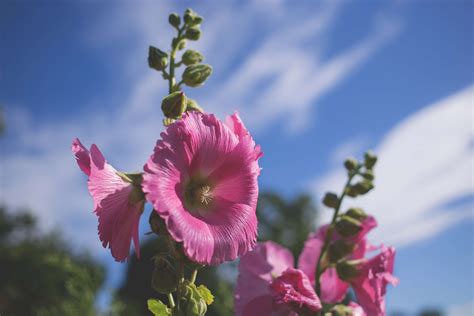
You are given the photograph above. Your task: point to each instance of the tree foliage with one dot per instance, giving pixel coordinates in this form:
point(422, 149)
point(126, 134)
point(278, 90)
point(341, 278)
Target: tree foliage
point(40, 275)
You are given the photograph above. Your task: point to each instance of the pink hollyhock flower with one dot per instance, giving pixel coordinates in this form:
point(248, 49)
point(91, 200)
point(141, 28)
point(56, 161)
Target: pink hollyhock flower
point(202, 181)
point(373, 276)
point(269, 285)
point(118, 201)
point(333, 289)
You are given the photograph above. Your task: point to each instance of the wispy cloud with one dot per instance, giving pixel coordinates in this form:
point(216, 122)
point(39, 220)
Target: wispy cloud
point(255, 73)
point(424, 174)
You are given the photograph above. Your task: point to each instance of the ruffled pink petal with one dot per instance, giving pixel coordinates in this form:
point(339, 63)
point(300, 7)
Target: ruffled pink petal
point(237, 126)
point(82, 156)
point(118, 218)
point(292, 288)
point(333, 289)
point(257, 268)
point(199, 144)
point(370, 285)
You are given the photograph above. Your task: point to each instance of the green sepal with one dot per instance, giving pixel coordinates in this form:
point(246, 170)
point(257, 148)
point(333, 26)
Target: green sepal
point(158, 308)
point(206, 294)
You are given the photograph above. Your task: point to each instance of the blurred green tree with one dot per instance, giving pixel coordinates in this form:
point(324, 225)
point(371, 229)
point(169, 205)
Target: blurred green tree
point(285, 221)
point(40, 275)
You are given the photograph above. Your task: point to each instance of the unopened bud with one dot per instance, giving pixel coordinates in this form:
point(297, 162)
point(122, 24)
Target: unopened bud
point(339, 249)
point(363, 187)
point(165, 277)
point(191, 57)
point(348, 226)
point(356, 213)
point(174, 105)
point(331, 200)
point(191, 301)
point(174, 20)
point(350, 164)
point(192, 105)
point(351, 191)
point(368, 175)
point(370, 159)
point(193, 33)
point(157, 59)
point(195, 75)
point(347, 270)
point(191, 18)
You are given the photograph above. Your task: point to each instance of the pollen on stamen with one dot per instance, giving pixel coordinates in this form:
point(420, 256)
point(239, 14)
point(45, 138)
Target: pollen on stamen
point(205, 195)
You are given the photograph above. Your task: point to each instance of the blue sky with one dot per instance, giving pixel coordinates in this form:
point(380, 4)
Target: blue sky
point(313, 81)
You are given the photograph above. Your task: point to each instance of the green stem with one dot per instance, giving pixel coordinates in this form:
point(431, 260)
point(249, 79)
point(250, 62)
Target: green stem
point(194, 275)
point(171, 300)
point(171, 78)
point(330, 230)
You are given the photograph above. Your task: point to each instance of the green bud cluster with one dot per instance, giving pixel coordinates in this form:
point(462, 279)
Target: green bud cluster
point(188, 28)
point(347, 225)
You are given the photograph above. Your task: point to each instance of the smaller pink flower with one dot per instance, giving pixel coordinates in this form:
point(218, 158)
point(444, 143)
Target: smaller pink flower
point(293, 288)
point(370, 285)
point(269, 285)
point(118, 202)
point(333, 289)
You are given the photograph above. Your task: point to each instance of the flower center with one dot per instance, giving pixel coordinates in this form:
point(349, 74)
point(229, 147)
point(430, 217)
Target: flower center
point(204, 195)
point(198, 194)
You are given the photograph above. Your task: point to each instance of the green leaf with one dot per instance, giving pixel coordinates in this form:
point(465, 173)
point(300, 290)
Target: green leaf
point(205, 294)
point(158, 308)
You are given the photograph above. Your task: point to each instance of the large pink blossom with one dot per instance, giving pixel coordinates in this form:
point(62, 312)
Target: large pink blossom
point(370, 284)
point(118, 202)
point(202, 181)
point(269, 285)
point(333, 289)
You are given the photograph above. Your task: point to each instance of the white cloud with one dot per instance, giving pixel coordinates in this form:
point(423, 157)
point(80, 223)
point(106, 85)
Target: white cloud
point(424, 172)
point(39, 171)
point(466, 309)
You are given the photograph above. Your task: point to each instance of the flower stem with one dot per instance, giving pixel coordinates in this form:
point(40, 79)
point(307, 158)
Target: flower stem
point(171, 300)
point(194, 275)
point(330, 230)
point(174, 47)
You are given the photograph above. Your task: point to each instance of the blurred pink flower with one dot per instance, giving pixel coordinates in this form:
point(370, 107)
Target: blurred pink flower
point(333, 289)
point(269, 285)
point(370, 284)
point(118, 203)
point(202, 181)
